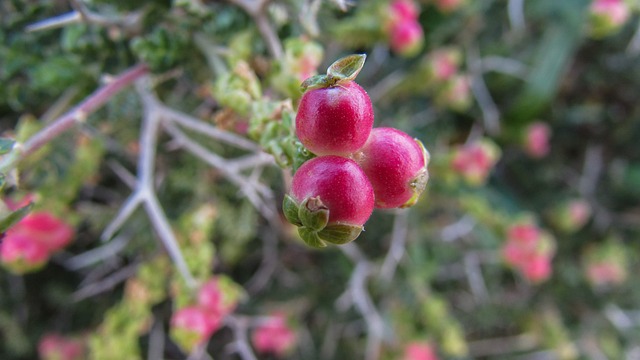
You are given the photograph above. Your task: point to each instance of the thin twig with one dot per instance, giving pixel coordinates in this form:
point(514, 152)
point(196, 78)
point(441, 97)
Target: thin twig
point(76, 115)
point(106, 284)
point(240, 346)
point(515, 10)
point(397, 248)
point(257, 10)
point(504, 65)
point(490, 112)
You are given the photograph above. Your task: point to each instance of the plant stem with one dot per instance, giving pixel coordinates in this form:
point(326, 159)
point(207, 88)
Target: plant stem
point(76, 115)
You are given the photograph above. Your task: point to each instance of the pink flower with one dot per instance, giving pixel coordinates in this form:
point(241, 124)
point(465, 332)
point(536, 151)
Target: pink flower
point(474, 161)
point(419, 351)
point(193, 325)
point(274, 337)
point(537, 140)
point(56, 347)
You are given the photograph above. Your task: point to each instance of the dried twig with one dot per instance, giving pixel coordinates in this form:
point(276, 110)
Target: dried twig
point(76, 115)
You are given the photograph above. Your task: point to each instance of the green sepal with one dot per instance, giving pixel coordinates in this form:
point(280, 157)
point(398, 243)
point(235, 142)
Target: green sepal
point(311, 238)
point(341, 71)
point(340, 234)
point(6, 145)
point(314, 82)
point(290, 209)
point(313, 213)
point(347, 68)
point(10, 219)
point(419, 182)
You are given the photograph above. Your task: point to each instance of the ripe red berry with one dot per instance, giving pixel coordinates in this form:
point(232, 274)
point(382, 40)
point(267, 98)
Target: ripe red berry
point(406, 37)
point(21, 253)
point(193, 325)
point(331, 198)
point(396, 165)
point(404, 9)
point(274, 337)
point(334, 120)
point(43, 227)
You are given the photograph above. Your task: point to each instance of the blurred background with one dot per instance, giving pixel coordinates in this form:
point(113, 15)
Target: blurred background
point(146, 147)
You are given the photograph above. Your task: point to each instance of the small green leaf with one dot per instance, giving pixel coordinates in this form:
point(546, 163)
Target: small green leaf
point(340, 234)
point(3, 181)
point(311, 238)
point(314, 82)
point(290, 209)
point(347, 68)
point(313, 213)
point(13, 217)
point(6, 145)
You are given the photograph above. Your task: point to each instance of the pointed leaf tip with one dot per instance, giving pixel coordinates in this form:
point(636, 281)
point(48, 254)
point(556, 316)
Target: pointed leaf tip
point(347, 68)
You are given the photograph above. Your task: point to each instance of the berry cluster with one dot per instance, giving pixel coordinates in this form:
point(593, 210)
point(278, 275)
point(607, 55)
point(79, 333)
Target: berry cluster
point(28, 245)
point(357, 168)
point(475, 160)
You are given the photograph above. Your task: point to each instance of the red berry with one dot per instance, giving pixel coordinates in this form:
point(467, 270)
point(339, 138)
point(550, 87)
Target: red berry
point(341, 186)
point(334, 120)
point(406, 37)
point(274, 337)
point(218, 296)
point(21, 253)
point(419, 351)
point(193, 325)
point(46, 229)
point(404, 9)
point(396, 165)
point(56, 347)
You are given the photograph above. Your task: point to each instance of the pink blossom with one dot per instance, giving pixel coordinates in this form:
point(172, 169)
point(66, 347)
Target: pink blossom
point(537, 140)
point(56, 347)
point(274, 337)
point(419, 351)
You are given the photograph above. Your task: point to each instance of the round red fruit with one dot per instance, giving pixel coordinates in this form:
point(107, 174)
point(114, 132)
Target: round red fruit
point(341, 186)
point(334, 120)
point(396, 165)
